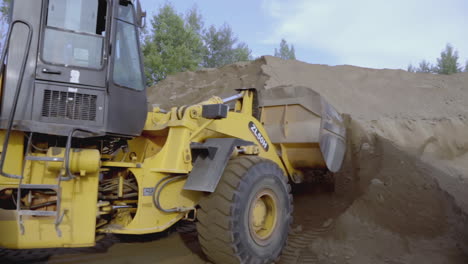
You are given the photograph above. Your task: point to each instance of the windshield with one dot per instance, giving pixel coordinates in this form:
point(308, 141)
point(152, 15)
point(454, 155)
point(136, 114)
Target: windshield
point(74, 34)
point(127, 63)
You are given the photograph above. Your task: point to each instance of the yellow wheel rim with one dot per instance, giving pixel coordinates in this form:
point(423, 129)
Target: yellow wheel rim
point(263, 216)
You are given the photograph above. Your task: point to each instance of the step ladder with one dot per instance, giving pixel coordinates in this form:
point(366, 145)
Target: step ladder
point(58, 214)
point(28, 156)
point(30, 187)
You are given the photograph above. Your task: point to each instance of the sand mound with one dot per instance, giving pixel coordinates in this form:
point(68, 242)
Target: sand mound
point(401, 196)
point(388, 208)
point(365, 93)
point(424, 114)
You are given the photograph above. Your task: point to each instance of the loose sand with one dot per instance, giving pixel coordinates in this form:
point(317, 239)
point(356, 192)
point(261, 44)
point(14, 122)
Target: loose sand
point(402, 194)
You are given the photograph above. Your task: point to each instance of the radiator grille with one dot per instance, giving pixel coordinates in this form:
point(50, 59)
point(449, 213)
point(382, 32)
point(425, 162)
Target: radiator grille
point(73, 106)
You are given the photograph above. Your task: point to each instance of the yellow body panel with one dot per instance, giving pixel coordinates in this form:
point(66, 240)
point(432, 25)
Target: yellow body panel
point(14, 158)
point(83, 161)
point(78, 201)
point(237, 125)
point(173, 156)
point(162, 150)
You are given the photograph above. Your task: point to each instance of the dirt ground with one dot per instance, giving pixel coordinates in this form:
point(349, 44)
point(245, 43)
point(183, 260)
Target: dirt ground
point(387, 208)
point(402, 194)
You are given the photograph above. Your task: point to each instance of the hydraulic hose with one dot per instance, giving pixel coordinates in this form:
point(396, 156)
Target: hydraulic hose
point(157, 193)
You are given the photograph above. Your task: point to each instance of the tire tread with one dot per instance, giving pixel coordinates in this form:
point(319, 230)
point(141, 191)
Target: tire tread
point(215, 216)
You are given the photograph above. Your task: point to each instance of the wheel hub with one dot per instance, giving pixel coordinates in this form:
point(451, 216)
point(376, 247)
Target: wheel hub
point(263, 216)
point(259, 214)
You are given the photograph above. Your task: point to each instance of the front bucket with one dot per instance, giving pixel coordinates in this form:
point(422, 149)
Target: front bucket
point(309, 128)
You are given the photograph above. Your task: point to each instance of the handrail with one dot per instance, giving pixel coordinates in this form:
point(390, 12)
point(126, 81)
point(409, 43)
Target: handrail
point(11, 117)
point(68, 174)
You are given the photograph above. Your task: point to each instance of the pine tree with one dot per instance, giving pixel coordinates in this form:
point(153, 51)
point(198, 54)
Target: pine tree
point(222, 47)
point(448, 61)
point(285, 52)
point(195, 20)
point(171, 46)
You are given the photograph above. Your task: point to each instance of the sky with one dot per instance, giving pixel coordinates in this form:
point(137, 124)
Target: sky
point(367, 33)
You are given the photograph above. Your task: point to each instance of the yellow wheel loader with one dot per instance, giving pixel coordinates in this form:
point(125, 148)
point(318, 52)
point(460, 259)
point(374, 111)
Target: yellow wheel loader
point(81, 155)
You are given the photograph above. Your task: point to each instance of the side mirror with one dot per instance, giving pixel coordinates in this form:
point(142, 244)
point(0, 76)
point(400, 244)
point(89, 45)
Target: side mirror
point(141, 15)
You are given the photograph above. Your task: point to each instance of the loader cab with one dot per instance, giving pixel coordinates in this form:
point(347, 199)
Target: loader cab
point(83, 67)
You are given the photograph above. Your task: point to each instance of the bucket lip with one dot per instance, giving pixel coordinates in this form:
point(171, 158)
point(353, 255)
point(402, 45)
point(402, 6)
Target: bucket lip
point(332, 138)
point(291, 95)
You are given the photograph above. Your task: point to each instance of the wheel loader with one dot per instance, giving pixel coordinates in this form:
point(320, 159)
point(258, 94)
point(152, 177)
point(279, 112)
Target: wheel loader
point(82, 155)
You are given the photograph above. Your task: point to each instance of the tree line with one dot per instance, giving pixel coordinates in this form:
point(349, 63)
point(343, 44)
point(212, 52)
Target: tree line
point(173, 42)
point(447, 63)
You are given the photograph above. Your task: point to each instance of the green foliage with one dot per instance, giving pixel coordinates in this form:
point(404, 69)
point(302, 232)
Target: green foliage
point(285, 52)
point(221, 47)
point(195, 20)
point(448, 61)
point(171, 45)
point(4, 8)
point(175, 43)
point(446, 64)
point(425, 66)
point(242, 53)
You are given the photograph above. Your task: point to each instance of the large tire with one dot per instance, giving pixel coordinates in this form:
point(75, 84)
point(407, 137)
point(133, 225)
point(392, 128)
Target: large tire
point(8, 256)
point(247, 219)
point(38, 256)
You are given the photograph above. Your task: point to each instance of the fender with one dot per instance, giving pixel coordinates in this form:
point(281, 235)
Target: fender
point(210, 160)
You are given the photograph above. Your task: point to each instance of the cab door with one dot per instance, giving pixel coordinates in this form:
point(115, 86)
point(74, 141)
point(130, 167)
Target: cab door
point(73, 42)
point(127, 104)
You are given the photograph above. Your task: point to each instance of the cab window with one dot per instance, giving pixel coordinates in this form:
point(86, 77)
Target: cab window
point(74, 33)
point(127, 70)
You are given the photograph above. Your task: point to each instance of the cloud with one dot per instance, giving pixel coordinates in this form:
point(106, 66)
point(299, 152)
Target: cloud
point(371, 33)
point(272, 8)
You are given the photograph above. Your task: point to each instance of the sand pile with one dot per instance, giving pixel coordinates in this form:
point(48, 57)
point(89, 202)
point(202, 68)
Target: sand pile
point(424, 114)
point(402, 195)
